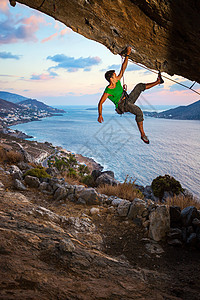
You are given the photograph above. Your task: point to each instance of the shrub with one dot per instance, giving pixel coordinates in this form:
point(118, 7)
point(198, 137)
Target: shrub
point(125, 190)
point(88, 180)
point(38, 172)
point(165, 183)
point(72, 160)
point(83, 170)
point(60, 164)
point(72, 173)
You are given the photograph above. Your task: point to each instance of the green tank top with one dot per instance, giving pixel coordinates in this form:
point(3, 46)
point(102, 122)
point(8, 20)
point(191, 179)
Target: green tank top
point(115, 94)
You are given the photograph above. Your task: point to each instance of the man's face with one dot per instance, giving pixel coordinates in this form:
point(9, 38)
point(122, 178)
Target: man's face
point(114, 77)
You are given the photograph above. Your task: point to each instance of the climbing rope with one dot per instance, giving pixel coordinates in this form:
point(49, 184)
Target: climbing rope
point(41, 4)
point(189, 88)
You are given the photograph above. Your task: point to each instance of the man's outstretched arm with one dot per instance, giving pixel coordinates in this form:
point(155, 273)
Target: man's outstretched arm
point(124, 65)
point(102, 100)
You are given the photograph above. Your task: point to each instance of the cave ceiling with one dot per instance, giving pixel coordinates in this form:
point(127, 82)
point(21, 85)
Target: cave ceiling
point(164, 35)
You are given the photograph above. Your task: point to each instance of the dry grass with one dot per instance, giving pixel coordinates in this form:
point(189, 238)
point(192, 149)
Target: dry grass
point(124, 190)
point(71, 180)
point(14, 157)
point(11, 157)
point(183, 201)
point(2, 154)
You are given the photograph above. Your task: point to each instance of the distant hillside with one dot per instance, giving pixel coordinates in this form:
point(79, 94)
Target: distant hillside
point(189, 112)
point(33, 104)
point(8, 106)
point(14, 98)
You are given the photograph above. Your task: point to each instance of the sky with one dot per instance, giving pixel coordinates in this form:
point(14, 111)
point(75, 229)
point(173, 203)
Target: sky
point(41, 58)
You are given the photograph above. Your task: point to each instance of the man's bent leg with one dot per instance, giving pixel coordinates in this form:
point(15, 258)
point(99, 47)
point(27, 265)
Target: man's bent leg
point(135, 93)
point(134, 109)
point(140, 87)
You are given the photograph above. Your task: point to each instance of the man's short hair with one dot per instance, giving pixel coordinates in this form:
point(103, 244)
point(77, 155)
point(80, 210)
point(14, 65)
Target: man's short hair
point(109, 74)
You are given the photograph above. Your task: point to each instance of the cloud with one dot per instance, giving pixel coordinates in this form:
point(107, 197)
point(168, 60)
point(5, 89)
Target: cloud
point(4, 6)
point(49, 38)
point(44, 76)
point(9, 55)
point(14, 29)
point(130, 67)
point(5, 75)
point(56, 34)
point(72, 64)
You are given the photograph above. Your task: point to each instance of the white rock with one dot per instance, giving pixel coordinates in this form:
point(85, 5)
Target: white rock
point(94, 211)
point(154, 248)
point(1, 185)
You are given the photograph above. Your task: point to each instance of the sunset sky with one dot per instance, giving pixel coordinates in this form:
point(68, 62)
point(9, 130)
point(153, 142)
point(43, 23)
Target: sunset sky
point(43, 59)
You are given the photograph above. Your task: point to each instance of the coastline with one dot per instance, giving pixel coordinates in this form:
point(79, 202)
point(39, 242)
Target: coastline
point(121, 172)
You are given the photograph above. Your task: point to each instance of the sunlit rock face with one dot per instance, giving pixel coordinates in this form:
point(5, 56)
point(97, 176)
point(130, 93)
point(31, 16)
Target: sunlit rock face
point(164, 34)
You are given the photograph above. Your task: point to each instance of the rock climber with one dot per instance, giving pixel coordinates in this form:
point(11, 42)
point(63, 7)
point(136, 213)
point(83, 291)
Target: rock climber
point(124, 102)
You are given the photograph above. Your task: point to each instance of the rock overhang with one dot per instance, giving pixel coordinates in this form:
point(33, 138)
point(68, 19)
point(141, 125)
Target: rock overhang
point(164, 34)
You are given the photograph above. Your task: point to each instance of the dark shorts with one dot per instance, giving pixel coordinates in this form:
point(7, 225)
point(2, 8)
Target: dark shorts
point(129, 104)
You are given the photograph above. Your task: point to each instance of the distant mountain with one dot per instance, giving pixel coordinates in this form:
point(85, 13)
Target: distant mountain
point(8, 106)
point(35, 104)
point(31, 103)
point(14, 98)
point(189, 112)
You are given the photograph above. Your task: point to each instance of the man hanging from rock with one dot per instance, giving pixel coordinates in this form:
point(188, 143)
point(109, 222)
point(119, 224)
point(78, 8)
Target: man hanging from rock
point(124, 102)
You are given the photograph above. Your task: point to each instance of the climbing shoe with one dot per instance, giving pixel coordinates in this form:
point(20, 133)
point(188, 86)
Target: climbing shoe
point(160, 77)
point(145, 139)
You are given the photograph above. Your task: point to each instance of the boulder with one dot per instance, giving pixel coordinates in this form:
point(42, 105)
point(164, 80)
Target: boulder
point(31, 181)
point(78, 189)
point(18, 185)
point(196, 222)
point(110, 173)
point(154, 248)
point(94, 211)
point(115, 201)
point(175, 214)
point(24, 166)
point(16, 172)
point(137, 208)
point(175, 242)
point(95, 174)
point(90, 196)
point(123, 208)
point(175, 233)
point(14, 169)
point(60, 193)
point(43, 186)
point(188, 214)
point(192, 239)
point(66, 245)
point(26, 156)
point(106, 179)
point(159, 223)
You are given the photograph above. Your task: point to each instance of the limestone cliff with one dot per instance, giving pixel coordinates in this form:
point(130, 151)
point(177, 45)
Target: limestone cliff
point(164, 34)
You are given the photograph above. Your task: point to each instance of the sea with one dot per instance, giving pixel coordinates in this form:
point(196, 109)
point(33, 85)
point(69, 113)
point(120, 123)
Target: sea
point(174, 147)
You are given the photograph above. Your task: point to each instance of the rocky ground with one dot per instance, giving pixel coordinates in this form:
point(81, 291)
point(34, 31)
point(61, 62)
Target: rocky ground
point(59, 249)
